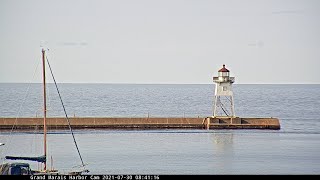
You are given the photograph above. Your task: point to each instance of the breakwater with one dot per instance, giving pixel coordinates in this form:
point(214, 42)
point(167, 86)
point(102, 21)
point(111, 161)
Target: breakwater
point(142, 123)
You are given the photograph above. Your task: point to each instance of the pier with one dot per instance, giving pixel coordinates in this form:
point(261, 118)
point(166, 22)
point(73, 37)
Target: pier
point(142, 123)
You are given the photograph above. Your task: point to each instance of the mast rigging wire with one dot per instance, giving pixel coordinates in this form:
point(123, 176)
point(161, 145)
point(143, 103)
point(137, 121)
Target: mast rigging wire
point(65, 112)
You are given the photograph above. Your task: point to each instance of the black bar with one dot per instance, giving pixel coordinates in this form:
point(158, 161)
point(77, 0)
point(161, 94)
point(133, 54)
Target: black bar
point(131, 177)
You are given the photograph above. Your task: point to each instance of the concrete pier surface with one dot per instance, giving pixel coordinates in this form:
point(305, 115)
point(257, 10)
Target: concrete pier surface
point(142, 123)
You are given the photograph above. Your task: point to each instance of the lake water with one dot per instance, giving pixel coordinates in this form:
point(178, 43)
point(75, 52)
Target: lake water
point(294, 149)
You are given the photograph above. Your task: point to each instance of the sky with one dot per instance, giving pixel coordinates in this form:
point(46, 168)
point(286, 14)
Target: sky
point(161, 41)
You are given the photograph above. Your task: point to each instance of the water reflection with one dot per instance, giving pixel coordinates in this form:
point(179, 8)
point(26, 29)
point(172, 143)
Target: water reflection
point(223, 152)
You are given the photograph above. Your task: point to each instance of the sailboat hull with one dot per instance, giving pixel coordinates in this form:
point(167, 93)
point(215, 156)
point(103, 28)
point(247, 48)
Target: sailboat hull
point(15, 169)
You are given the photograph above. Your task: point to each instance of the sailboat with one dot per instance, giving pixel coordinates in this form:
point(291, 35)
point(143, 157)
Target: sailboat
point(22, 168)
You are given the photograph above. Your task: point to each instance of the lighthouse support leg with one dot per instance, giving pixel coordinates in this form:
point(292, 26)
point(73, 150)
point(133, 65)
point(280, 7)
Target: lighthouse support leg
point(232, 107)
point(215, 106)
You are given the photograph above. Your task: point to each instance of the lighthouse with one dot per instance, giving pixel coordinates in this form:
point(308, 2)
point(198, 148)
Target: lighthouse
point(223, 104)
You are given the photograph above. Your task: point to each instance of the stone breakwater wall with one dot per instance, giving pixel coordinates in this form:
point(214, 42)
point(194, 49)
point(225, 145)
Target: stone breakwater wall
point(142, 123)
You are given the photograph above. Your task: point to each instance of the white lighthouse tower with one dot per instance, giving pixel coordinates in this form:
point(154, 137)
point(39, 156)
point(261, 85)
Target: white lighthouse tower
point(223, 104)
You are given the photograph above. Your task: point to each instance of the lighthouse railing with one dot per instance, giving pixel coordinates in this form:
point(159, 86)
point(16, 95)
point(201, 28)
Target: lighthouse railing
point(224, 79)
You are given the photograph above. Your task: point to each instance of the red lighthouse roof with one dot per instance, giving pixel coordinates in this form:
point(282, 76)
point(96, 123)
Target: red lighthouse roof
point(223, 69)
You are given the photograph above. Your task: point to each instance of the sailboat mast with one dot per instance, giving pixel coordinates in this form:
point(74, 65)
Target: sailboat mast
point(44, 109)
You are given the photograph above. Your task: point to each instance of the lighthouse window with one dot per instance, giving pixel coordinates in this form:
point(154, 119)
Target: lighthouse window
point(224, 88)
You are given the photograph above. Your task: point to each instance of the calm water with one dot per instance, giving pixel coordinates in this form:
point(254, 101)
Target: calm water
point(295, 149)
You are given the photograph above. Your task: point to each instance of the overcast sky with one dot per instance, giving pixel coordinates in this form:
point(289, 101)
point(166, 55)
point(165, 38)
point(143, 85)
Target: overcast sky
point(163, 41)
